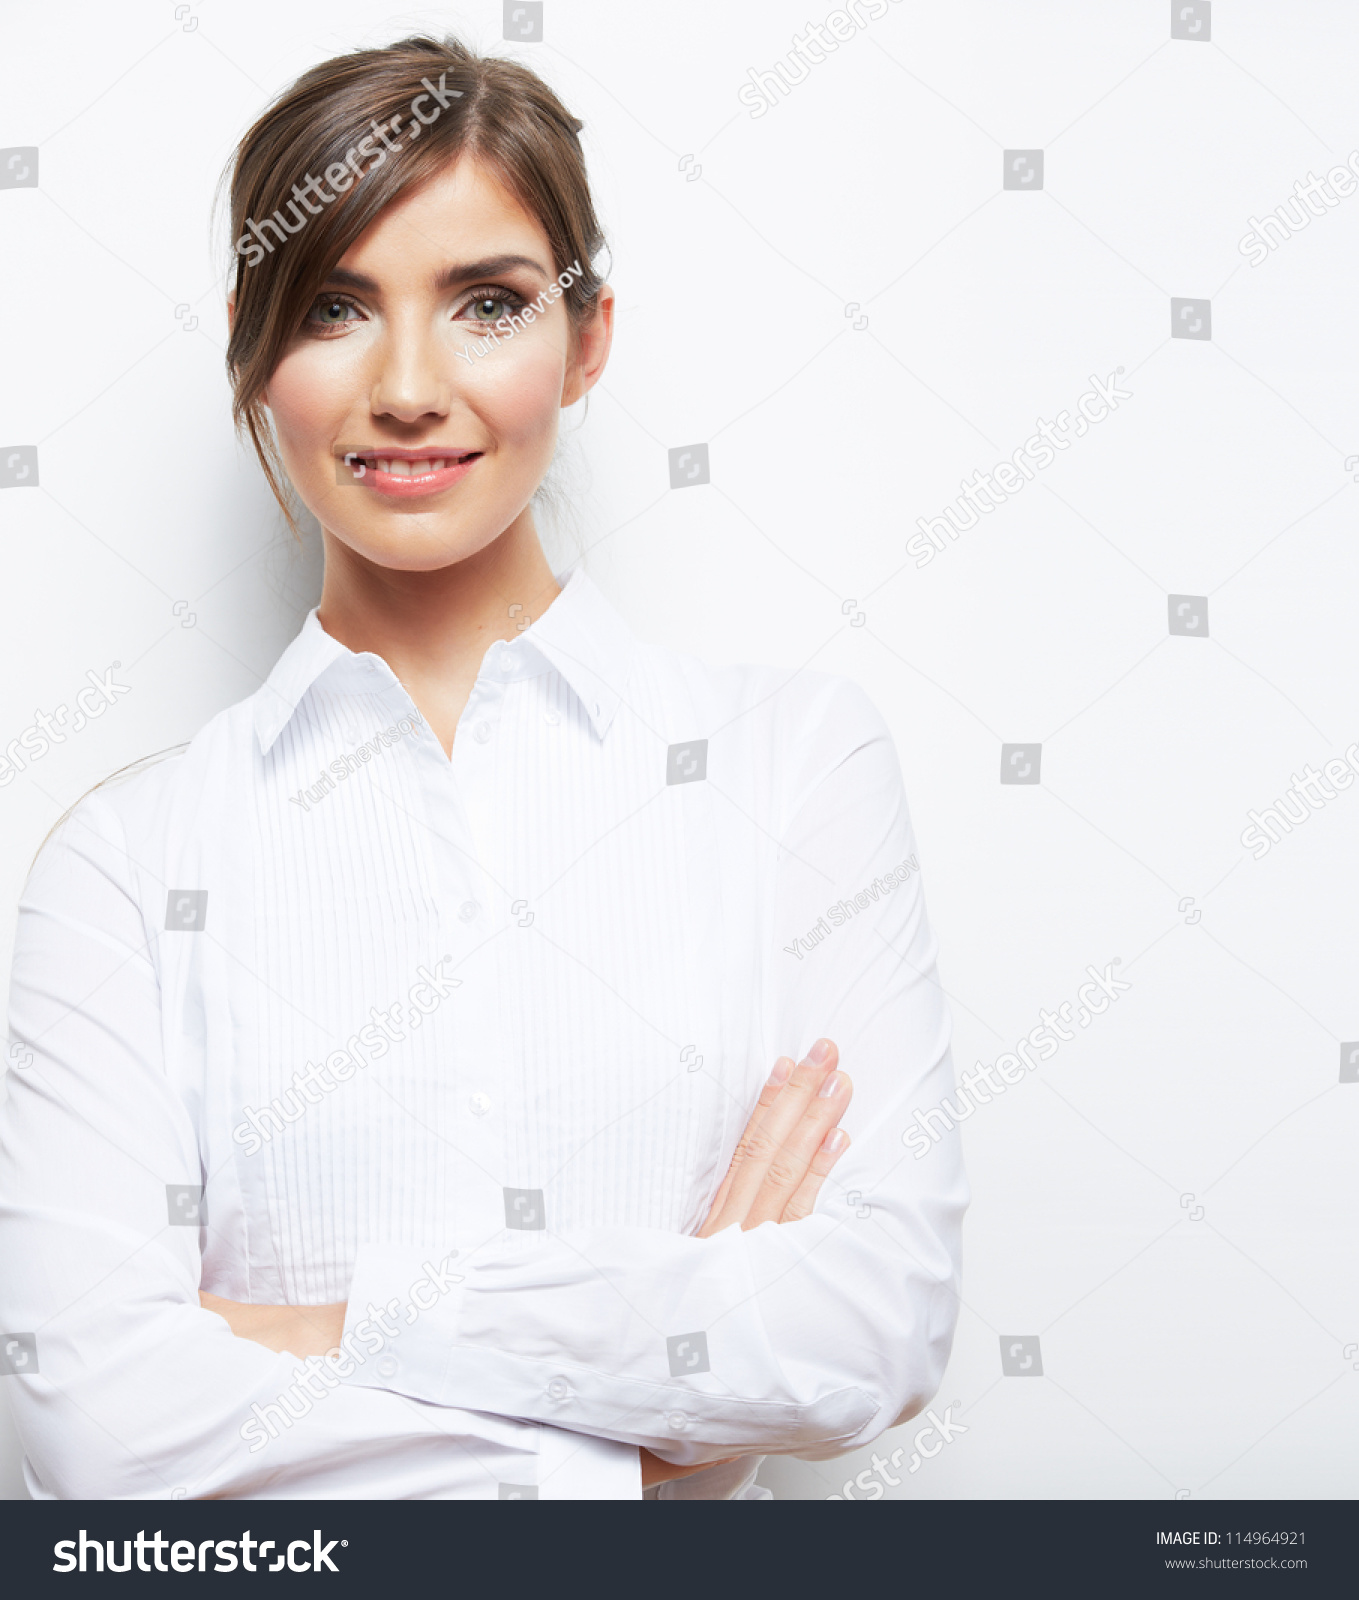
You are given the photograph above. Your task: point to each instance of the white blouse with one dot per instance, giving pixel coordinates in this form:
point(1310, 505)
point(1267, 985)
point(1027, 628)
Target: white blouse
point(308, 1012)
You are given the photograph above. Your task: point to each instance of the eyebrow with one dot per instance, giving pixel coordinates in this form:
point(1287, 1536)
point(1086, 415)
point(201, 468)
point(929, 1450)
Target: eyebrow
point(450, 277)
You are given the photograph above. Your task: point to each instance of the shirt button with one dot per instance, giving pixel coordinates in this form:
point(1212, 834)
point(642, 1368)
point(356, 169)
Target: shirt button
point(469, 911)
point(559, 1389)
point(388, 1366)
point(552, 717)
point(480, 1104)
point(482, 732)
point(677, 1421)
point(507, 662)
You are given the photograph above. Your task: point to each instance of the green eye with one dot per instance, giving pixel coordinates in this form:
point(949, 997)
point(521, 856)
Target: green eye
point(490, 304)
point(330, 311)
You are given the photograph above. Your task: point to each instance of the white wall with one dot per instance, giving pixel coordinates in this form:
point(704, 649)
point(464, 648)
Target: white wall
point(1207, 1353)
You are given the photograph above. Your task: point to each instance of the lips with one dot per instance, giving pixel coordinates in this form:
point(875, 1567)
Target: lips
point(403, 474)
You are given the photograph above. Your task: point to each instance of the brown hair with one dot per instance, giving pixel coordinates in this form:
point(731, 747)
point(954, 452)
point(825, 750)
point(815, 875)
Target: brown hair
point(327, 122)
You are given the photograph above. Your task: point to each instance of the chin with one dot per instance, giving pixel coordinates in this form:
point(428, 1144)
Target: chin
point(405, 550)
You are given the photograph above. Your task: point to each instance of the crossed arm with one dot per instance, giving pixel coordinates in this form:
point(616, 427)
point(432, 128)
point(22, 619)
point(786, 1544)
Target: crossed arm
point(790, 1144)
point(822, 1334)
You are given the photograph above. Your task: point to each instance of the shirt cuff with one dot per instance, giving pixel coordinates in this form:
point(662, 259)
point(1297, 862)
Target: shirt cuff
point(417, 1326)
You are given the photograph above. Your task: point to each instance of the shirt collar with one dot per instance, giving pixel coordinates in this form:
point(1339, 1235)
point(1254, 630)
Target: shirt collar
point(580, 634)
point(589, 644)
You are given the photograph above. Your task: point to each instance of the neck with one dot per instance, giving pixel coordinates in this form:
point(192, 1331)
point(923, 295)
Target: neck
point(433, 628)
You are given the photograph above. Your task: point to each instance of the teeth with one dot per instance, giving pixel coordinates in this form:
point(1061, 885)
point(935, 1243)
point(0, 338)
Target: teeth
point(395, 467)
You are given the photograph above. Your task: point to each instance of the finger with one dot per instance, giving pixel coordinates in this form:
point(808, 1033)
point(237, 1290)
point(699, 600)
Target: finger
point(763, 1138)
point(763, 1143)
point(794, 1158)
point(783, 1069)
point(803, 1201)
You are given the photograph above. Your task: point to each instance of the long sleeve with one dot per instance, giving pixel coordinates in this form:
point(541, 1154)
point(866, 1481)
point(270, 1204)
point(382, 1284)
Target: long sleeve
point(809, 1337)
point(121, 1384)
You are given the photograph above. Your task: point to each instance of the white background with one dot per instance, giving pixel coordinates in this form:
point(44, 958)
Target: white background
point(1182, 1352)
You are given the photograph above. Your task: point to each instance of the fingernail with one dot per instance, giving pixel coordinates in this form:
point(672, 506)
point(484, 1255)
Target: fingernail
point(819, 1054)
point(779, 1076)
point(835, 1141)
point(828, 1088)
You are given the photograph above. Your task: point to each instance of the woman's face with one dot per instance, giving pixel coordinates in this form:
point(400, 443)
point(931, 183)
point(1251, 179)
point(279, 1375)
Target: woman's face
point(411, 437)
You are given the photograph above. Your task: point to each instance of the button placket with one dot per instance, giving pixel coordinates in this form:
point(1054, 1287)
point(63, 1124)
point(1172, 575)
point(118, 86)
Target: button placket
point(475, 1084)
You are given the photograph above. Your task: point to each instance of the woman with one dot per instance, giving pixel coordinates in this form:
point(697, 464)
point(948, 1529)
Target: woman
point(387, 1048)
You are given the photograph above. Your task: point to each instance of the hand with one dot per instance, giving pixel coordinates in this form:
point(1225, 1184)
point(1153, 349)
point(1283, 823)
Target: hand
point(789, 1145)
point(300, 1331)
point(791, 1142)
point(654, 1470)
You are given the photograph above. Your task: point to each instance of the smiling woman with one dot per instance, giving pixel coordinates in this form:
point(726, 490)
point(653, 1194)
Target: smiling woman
point(496, 112)
point(509, 1017)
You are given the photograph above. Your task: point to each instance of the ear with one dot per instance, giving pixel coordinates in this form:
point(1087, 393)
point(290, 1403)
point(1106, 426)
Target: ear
point(593, 344)
point(231, 310)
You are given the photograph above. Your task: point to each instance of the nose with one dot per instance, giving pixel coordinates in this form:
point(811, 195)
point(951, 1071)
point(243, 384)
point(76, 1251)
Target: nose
point(411, 383)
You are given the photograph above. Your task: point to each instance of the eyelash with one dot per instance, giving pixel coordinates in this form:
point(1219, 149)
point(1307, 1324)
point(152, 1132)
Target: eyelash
point(512, 302)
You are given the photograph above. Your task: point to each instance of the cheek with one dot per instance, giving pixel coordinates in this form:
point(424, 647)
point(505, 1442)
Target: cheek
point(517, 391)
point(307, 394)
